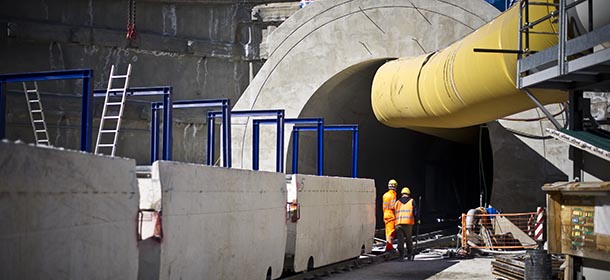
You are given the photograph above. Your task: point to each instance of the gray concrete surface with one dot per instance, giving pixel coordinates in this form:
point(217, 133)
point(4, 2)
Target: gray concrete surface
point(220, 223)
point(66, 215)
point(337, 219)
point(310, 49)
point(474, 269)
point(519, 171)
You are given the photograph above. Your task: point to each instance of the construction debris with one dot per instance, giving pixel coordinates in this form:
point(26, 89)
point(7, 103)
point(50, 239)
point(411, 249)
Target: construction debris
point(513, 267)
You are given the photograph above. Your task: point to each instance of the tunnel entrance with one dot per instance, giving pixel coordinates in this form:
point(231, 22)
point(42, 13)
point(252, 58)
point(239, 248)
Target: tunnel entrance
point(446, 174)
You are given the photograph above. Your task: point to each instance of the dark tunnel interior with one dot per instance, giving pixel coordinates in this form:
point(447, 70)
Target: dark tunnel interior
point(451, 177)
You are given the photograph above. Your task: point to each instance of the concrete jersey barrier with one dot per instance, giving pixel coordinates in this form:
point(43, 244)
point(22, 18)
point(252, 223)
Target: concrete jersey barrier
point(220, 223)
point(66, 214)
point(337, 218)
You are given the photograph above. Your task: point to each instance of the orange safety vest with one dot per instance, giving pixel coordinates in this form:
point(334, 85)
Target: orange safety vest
point(404, 213)
point(389, 201)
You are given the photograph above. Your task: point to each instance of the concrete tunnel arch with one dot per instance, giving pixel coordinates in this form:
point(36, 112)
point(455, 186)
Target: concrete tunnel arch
point(321, 64)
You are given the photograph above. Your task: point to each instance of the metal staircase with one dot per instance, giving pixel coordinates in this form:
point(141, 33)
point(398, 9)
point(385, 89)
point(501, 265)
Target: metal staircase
point(114, 103)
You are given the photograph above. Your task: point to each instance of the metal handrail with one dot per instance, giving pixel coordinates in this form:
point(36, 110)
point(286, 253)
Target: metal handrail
point(525, 27)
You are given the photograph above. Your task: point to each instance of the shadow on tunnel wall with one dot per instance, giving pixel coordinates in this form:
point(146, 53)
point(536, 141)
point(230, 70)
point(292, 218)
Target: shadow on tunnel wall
point(444, 173)
point(519, 173)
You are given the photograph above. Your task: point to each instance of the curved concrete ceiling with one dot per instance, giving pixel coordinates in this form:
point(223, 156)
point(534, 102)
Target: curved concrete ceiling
point(331, 39)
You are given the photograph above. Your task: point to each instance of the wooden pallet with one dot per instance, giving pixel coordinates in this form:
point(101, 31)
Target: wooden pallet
point(513, 267)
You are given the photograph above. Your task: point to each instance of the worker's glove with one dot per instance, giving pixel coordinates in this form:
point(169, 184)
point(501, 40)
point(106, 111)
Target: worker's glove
point(418, 222)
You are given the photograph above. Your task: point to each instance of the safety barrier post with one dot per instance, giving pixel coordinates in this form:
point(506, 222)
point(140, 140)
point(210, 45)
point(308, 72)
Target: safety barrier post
point(464, 241)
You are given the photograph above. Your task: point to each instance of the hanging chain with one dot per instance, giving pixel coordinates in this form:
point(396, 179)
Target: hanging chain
point(131, 20)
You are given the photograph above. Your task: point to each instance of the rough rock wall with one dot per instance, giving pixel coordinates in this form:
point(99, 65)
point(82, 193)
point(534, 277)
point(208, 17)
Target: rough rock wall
point(204, 49)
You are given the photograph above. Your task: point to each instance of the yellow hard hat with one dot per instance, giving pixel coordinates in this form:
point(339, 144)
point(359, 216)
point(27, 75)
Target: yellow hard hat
point(405, 190)
point(392, 183)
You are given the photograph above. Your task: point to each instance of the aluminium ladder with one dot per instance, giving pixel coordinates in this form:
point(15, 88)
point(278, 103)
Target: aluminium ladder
point(39, 125)
point(110, 122)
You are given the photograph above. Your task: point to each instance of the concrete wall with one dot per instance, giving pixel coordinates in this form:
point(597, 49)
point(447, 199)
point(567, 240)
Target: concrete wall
point(337, 218)
point(66, 215)
point(198, 47)
point(220, 223)
point(521, 166)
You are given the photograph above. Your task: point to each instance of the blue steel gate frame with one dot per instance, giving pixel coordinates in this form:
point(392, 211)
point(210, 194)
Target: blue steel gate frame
point(85, 74)
point(319, 125)
point(166, 92)
point(337, 127)
point(225, 113)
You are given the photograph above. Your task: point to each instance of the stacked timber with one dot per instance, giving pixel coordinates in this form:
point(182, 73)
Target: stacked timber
point(512, 267)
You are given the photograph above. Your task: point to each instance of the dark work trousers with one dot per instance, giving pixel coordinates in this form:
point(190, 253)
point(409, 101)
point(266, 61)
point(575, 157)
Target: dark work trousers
point(403, 233)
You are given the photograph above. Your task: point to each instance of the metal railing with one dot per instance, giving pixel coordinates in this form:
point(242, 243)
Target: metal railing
point(557, 55)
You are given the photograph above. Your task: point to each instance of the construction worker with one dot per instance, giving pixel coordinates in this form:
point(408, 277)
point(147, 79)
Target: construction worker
point(405, 219)
point(475, 218)
point(389, 201)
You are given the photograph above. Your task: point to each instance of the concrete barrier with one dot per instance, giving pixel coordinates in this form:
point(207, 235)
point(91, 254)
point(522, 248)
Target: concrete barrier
point(337, 218)
point(66, 215)
point(221, 223)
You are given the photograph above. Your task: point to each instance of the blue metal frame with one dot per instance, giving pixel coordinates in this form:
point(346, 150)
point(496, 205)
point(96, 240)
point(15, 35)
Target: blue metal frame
point(319, 122)
point(338, 127)
point(166, 92)
point(85, 74)
point(279, 114)
point(225, 113)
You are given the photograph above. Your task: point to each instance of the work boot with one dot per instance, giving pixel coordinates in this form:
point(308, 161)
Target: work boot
point(410, 255)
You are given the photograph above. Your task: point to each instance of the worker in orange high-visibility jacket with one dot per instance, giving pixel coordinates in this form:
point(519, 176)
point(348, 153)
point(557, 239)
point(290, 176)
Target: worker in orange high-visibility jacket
point(406, 214)
point(389, 201)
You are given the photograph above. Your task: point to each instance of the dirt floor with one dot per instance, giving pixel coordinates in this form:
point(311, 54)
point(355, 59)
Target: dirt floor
point(472, 269)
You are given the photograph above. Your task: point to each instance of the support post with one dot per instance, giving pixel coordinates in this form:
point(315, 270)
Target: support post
point(226, 133)
point(520, 46)
point(86, 122)
point(355, 152)
point(563, 32)
point(320, 128)
point(295, 151)
point(255, 152)
point(2, 111)
point(167, 125)
point(154, 132)
point(211, 139)
point(280, 142)
point(576, 123)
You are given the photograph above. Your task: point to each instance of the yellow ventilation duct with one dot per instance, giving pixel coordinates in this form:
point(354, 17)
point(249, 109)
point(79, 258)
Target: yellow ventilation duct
point(457, 87)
